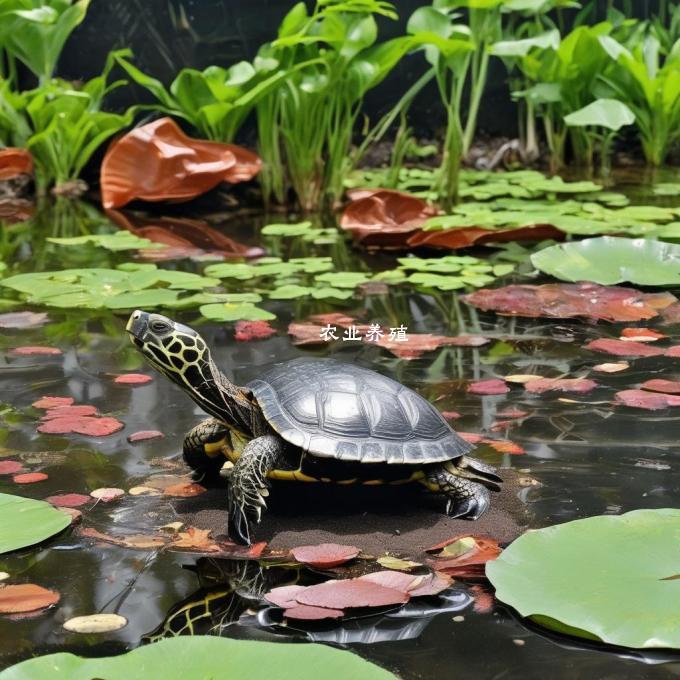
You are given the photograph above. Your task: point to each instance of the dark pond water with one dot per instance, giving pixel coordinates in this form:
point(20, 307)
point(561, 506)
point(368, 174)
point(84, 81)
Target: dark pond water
point(589, 457)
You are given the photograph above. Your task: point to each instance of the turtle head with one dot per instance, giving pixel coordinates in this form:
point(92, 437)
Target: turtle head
point(182, 355)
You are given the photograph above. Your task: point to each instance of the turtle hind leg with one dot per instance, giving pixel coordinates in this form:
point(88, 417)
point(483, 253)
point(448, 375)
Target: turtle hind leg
point(248, 483)
point(464, 498)
point(203, 451)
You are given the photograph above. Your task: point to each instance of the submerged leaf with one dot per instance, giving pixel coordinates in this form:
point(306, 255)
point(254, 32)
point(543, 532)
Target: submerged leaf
point(26, 597)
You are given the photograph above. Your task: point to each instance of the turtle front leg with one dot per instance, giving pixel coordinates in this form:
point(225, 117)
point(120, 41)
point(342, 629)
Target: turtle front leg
point(204, 448)
point(464, 498)
point(248, 484)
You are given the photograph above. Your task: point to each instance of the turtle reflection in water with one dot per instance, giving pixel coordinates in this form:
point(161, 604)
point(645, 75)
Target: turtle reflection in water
point(310, 420)
point(232, 593)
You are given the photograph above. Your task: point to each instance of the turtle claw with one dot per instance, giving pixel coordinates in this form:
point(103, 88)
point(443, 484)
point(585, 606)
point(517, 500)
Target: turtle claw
point(469, 507)
point(238, 528)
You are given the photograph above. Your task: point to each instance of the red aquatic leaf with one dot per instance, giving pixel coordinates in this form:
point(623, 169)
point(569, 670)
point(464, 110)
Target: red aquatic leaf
point(133, 379)
point(197, 540)
point(185, 490)
point(85, 425)
point(673, 351)
point(10, 467)
point(157, 162)
point(68, 500)
point(253, 330)
point(31, 350)
point(612, 367)
point(70, 411)
point(52, 402)
point(578, 385)
point(75, 515)
point(641, 335)
point(350, 593)
point(229, 550)
point(511, 413)
point(22, 320)
point(383, 217)
point(284, 596)
point(464, 237)
point(504, 446)
point(398, 580)
point(565, 300)
point(660, 385)
point(325, 555)
point(451, 415)
point(469, 564)
point(29, 478)
point(144, 435)
point(26, 597)
point(652, 401)
point(471, 437)
point(15, 162)
point(623, 348)
point(304, 612)
point(432, 584)
point(488, 387)
point(484, 600)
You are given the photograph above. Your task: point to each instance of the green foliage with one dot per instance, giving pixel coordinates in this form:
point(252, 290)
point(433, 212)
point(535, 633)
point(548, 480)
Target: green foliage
point(215, 101)
point(119, 240)
point(649, 84)
point(25, 522)
point(451, 272)
point(612, 578)
point(35, 31)
point(609, 260)
point(306, 125)
point(197, 656)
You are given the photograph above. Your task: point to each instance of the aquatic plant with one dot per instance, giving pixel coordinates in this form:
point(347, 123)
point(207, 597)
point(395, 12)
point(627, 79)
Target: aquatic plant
point(306, 125)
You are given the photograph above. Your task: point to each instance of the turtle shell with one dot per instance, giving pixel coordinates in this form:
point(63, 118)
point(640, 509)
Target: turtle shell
point(336, 410)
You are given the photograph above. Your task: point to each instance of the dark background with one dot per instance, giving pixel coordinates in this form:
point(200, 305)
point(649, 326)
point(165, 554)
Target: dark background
point(167, 35)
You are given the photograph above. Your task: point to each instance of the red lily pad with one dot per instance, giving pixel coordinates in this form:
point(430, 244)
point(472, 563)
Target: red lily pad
point(504, 446)
point(70, 411)
point(10, 467)
point(673, 351)
point(578, 385)
point(26, 597)
point(107, 494)
point(398, 580)
point(511, 413)
point(253, 330)
point(470, 563)
point(68, 500)
point(30, 350)
point(52, 402)
point(304, 612)
point(651, 401)
point(133, 379)
point(187, 490)
point(30, 478)
point(284, 596)
point(144, 435)
point(451, 415)
point(22, 320)
point(565, 300)
point(85, 425)
point(641, 335)
point(660, 385)
point(471, 437)
point(350, 593)
point(432, 584)
point(325, 555)
point(623, 348)
point(488, 387)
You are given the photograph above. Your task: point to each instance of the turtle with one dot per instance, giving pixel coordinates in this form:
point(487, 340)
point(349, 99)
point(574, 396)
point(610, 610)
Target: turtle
point(309, 420)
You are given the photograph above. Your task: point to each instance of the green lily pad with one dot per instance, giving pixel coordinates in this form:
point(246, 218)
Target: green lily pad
point(344, 279)
point(612, 578)
point(609, 260)
point(25, 522)
point(203, 656)
point(120, 240)
point(296, 229)
point(239, 311)
point(667, 189)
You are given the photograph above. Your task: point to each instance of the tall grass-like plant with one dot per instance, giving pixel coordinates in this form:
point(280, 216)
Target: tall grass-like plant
point(448, 49)
point(35, 31)
point(650, 86)
point(306, 125)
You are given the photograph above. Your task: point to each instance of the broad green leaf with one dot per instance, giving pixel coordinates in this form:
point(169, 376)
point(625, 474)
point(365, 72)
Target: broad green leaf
point(290, 292)
point(25, 522)
point(120, 240)
point(205, 657)
point(618, 573)
point(609, 260)
point(344, 279)
point(520, 48)
point(240, 311)
point(609, 113)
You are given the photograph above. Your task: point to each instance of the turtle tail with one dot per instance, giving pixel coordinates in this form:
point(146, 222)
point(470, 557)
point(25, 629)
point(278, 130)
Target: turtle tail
point(476, 471)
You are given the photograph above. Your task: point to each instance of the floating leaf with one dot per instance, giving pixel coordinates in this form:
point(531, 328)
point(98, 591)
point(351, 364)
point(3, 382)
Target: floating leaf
point(133, 379)
point(25, 522)
point(84, 425)
point(245, 311)
point(203, 656)
point(641, 335)
point(35, 350)
point(470, 563)
point(350, 593)
point(10, 467)
point(107, 494)
point(52, 402)
point(304, 612)
point(578, 385)
point(22, 320)
point(95, 623)
point(397, 563)
point(609, 260)
point(612, 367)
point(26, 597)
point(29, 478)
point(184, 490)
point(619, 595)
point(623, 348)
point(562, 301)
point(144, 435)
point(253, 330)
point(134, 541)
point(488, 387)
point(68, 500)
point(325, 555)
point(652, 401)
point(118, 241)
point(661, 385)
point(195, 539)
